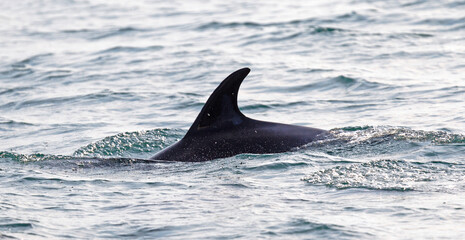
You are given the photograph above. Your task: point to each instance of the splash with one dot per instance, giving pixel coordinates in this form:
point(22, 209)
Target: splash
point(32, 157)
point(390, 175)
point(369, 134)
point(375, 141)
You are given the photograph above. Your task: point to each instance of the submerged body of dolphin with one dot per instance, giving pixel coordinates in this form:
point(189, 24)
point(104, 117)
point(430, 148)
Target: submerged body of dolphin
point(221, 130)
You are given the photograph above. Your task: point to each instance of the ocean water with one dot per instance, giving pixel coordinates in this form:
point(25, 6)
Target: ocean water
point(88, 88)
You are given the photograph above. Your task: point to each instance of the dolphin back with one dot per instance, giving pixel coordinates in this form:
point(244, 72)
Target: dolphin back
point(221, 130)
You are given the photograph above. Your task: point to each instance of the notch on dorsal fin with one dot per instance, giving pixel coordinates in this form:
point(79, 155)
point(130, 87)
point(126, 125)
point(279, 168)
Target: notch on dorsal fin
point(221, 109)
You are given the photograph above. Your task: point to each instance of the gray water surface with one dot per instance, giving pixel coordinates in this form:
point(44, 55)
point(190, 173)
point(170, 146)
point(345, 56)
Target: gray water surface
point(87, 88)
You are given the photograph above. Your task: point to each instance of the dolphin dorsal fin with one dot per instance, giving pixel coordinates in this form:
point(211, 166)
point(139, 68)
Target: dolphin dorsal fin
point(221, 109)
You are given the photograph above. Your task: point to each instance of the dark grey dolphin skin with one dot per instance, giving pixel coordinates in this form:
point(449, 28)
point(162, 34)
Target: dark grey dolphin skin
point(221, 130)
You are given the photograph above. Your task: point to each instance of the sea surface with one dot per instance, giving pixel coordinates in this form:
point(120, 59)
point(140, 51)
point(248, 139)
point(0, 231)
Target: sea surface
point(89, 87)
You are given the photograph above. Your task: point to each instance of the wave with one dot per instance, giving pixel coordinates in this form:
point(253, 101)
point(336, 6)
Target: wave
point(273, 104)
point(102, 96)
point(32, 157)
point(85, 33)
point(131, 143)
point(73, 163)
point(12, 123)
point(300, 226)
point(313, 28)
point(359, 134)
point(33, 60)
point(19, 226)
point(388, 175)
point(276, 166)
point(369, 141)
point(250, 24)
point(131, 49)
point(339, 82)
point(118, 32)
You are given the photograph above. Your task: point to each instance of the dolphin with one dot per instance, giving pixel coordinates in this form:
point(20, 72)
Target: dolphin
point(221, 130)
